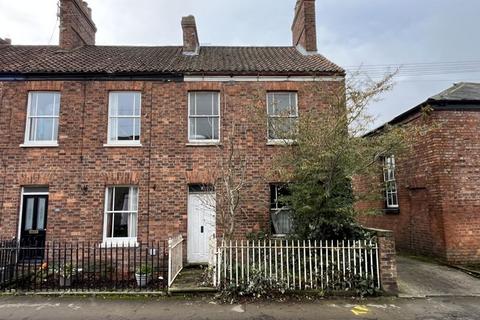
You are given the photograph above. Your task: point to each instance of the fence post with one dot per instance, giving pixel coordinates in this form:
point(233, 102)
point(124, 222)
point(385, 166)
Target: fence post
point(170, 241)
point(212, 255)
point(387, 260)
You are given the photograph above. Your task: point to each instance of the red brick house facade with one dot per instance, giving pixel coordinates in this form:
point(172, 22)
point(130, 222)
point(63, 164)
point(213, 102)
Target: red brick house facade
point(437, 211)
point(87, 125)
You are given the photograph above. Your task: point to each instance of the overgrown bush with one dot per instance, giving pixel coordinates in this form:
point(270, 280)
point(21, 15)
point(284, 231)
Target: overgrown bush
point(259, 287)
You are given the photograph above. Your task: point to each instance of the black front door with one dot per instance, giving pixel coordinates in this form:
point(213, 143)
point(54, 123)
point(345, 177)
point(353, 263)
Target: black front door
point(34, 225)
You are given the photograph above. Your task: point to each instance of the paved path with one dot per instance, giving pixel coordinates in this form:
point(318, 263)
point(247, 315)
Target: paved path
point(53, 308)
point(420, 279)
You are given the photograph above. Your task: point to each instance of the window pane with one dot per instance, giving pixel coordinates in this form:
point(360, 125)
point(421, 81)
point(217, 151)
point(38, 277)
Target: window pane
point(282, 221)
point(133, 225)
point(204, 129)
point(109, 224)
point(35, 189)
point(205, 103)
point(277, 192)
point(215, 128)
point(44, 129)
point(216, 109)
point(32, 129)
point(120, 225)
point(136, 132)
point(282, 104)
point(192, 134)
point(281, 128)
point(55, 129)
point(110, 192)
point(41, 213)
point(113, 129)
point(46, 104)
point(134, 205)
point(125, 129)
point(121, 199)
point(126, 104)
point(29, 214)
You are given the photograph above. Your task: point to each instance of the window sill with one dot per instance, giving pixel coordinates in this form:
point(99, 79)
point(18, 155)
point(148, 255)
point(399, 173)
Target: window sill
point(39, 145)
point(391, 210)
point(280, 142)
point(121, 242)
point(203, 144)
point(279, 236)
point(122, 145)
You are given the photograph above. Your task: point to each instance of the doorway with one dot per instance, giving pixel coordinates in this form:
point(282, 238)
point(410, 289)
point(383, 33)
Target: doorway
point(33, 226)
point(201, 224)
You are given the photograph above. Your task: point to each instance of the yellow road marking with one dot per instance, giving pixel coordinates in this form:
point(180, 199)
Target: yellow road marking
point(359, 310)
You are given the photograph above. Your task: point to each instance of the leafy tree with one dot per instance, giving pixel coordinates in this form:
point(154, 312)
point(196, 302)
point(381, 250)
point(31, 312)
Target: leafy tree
point(330, 149)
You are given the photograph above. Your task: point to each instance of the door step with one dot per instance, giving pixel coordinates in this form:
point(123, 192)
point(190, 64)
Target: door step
point(191, 280)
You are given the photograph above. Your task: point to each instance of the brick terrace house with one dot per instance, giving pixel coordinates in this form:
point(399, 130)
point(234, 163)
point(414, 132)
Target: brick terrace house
point(111, 143)
point(432, 194)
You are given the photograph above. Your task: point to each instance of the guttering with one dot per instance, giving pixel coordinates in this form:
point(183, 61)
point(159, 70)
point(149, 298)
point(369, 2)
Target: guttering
point(72, 76)
point(262, 78)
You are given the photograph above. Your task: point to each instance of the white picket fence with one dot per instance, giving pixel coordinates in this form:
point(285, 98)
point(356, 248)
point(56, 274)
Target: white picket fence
point(300, 265)
point(175, 258)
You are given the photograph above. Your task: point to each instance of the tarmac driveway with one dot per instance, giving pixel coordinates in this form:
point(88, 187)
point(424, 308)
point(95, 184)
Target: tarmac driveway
point(423, 279)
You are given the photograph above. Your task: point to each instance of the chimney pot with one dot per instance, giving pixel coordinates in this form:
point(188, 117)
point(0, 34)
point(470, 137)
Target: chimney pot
point(304, 26)
point(191, 45)
point(6, 41)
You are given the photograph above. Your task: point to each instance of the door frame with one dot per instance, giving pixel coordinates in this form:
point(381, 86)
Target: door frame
point(20, 215)
point(206, 192)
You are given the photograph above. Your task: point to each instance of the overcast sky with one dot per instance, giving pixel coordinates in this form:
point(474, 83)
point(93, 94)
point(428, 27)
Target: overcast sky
point(350, 33)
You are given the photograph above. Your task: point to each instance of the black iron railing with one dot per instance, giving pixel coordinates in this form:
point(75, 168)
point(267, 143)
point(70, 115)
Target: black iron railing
point(83, 266)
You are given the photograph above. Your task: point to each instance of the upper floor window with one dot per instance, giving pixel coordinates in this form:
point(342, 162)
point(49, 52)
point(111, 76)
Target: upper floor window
point(124, 118)
point(391, 197)
point(280, 213)
point(42, 118)
point(121, 211)
point(203, 116)
point(282, 115)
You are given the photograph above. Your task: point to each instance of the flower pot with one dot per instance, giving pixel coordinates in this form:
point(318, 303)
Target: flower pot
point(65, 282)
point(143, 279)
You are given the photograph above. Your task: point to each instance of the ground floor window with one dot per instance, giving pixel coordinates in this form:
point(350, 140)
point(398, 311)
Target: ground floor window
point(121, 214)
point(281, 214)
point(389, 177)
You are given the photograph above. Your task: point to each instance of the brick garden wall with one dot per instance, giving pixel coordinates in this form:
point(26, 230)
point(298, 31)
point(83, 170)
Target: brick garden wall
point(78, 171)
point(438, 192)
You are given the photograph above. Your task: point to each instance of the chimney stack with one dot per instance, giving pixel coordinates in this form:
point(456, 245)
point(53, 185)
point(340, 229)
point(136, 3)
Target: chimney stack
point(191, 45)
point(76, 25)
point(5, 41)
point(304, 28)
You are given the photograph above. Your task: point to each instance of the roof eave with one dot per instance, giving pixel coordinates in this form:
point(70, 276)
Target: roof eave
point(443, 105)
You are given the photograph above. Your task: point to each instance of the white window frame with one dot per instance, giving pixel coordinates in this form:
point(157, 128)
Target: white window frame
point(389, 179)
point(277, 208)
point(219, 118)
point(292, 116)
point(124, 143)
point(46, 143)
point(119, 241)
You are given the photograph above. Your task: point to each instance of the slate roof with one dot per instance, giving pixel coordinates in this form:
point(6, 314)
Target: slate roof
point(463, 91)
point(159, 60)
point(460, 96)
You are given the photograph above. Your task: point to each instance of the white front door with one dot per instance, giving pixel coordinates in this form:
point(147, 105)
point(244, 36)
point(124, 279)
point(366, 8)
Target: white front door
point(201, 225)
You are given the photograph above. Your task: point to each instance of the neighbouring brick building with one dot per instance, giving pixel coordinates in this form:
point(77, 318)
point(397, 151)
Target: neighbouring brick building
point(111, 143)
point(432, 200)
